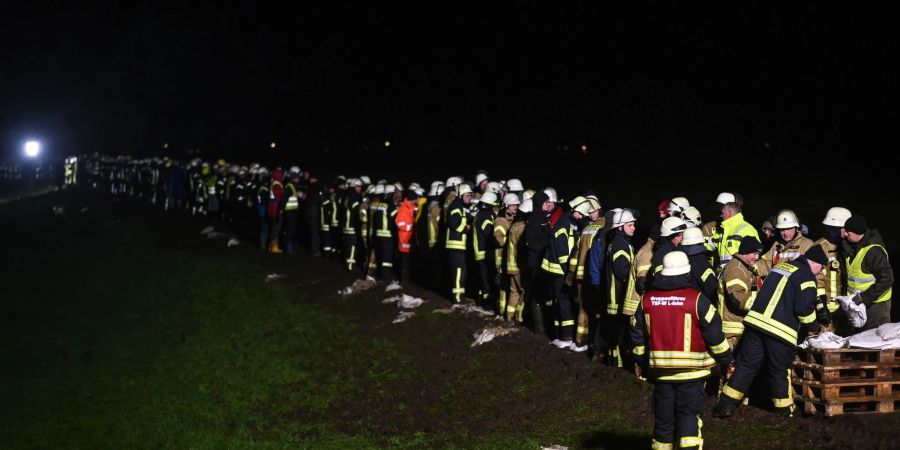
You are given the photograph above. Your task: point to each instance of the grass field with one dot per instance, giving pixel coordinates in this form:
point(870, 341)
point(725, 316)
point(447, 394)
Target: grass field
point(124, 328)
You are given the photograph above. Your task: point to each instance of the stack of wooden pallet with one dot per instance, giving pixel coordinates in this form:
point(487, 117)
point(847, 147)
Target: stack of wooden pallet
point(842, 381)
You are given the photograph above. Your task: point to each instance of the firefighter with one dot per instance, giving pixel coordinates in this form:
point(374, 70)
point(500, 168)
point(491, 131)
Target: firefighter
point(514, 259)
point(385, 233)
point(405, 221)
point(275, 208)
point(555, 264)
point(703, 278)
point(350, 221)
point(732, 229)
point(586, 296)
point(537, 237)
point(291, 209)
point(640, 269)
point(373, 205)
point(326, 210)
point(502, 224)
point(678, 336)
point(455, 241)
point(676, 207)
point(830, 281)
point(791, 242)
point(869, 274)
point(617, 269)
point(738, 288)
point(786, 300)
point(435, 244)
point(671, 234)
point(482, 244)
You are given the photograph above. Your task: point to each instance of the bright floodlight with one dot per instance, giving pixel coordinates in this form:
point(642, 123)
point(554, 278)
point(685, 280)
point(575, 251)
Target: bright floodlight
point(32, 149)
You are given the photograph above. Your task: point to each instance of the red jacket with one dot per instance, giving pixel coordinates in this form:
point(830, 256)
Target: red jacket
point(405, 220)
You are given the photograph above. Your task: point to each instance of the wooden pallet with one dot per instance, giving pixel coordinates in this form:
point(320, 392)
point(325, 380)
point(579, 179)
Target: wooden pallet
point(843, 381)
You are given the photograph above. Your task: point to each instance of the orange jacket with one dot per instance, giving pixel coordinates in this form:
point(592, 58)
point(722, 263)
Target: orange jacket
point(405, 220)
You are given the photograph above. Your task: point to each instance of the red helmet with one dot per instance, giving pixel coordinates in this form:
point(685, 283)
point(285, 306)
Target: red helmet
point(662, 207)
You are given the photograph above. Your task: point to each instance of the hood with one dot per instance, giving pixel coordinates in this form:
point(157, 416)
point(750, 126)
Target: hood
point(670, 283)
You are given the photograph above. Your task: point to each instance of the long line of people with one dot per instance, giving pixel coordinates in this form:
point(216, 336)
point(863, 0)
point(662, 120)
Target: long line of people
point(567, 269)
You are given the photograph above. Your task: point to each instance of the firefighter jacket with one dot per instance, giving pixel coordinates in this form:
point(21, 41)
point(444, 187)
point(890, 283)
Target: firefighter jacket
point(711, 233)
point(501, 228)
point(731, 232)
point(362, 212)
point(783, 252)
point(326, 210)
point(556, 257)
point(639, 269)
point(382, 224)
point(337, 199)
point(664, 247)
point(736, 291)
point(511, 255)
point(703, 278)
point(786, 300)
point(831, 281)
point(405, 221)
point(293, 197)
point(537, 231)
point(276, 198)
point(677, 331)
point(483, 233)
point(457, 224)
point(350, 213)
point(580, 254)
point(868, 270)
point(620, 257)
point(434, 222)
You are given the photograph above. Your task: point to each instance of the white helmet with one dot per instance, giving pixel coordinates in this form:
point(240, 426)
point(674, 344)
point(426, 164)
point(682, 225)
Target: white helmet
point(551, 195)
point(675, 263)
point(463, 188)
point(514, 184)
point(453, 182)
point(365, 179)
point(786, 219)
point(677, 205)
point(494, 187)
point(414, 185)
point(378, 190)
point(527, 205)
point(692, 214)
point(436, 188)
point(622, 216)
point(693, 236)
point(479, 177)
point(369, 189)
point(489, 198)
point(511, 199)
point(295, 169)
point(595, 204)
point(836, 216)
point(398, 186)
point(584, 207)
point(419, 191)
point(356, 182)
point(390, 189)
point(725, 198)
point(576, 201)
point(672, 225)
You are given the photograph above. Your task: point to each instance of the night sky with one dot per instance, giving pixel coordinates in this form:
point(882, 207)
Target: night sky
point(478, 85)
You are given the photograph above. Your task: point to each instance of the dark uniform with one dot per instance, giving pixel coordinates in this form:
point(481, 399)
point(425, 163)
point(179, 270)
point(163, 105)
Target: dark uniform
point(556, 264)
point(619, 258)
point(349, 224)
point(455, 245)
point(678, 335)
point(786, 300)
point(484, 247)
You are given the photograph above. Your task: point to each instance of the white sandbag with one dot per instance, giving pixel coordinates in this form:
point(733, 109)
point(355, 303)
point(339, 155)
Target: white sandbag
point(403, 316)
point(207, 230)
point(555, 447)
point(824, 340)
point(274, 276)
point(357, 287)
point(465, 309)
point(410, 302)
point(856, 313)
point(889, 331)
point(395, 286)
point(233, 243)
point(488, 334)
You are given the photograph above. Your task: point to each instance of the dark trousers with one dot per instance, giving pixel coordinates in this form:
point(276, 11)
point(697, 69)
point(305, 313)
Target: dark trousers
point(350, 254)
point(678, 411)
point(404, 267)
point(758, 349)
point(614, 327)
point(384, 254)
point(325, 236)
point(486, 289)
point(565, 314)
point(457, 263)
point(290, 228)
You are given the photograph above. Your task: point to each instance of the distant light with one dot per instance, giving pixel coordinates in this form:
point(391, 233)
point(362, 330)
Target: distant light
point(387, 143)
point(583, 148)
point(272, 145)
point(165, 145)
point(32, 149)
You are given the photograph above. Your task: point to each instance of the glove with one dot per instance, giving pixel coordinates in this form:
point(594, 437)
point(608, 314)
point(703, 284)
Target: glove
point(857, 299)
point(823, 315)
point(570, 279)
point(815, 328)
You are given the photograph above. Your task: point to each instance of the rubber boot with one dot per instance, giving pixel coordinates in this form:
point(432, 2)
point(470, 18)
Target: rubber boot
point(273, 247)
point(537, 315)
